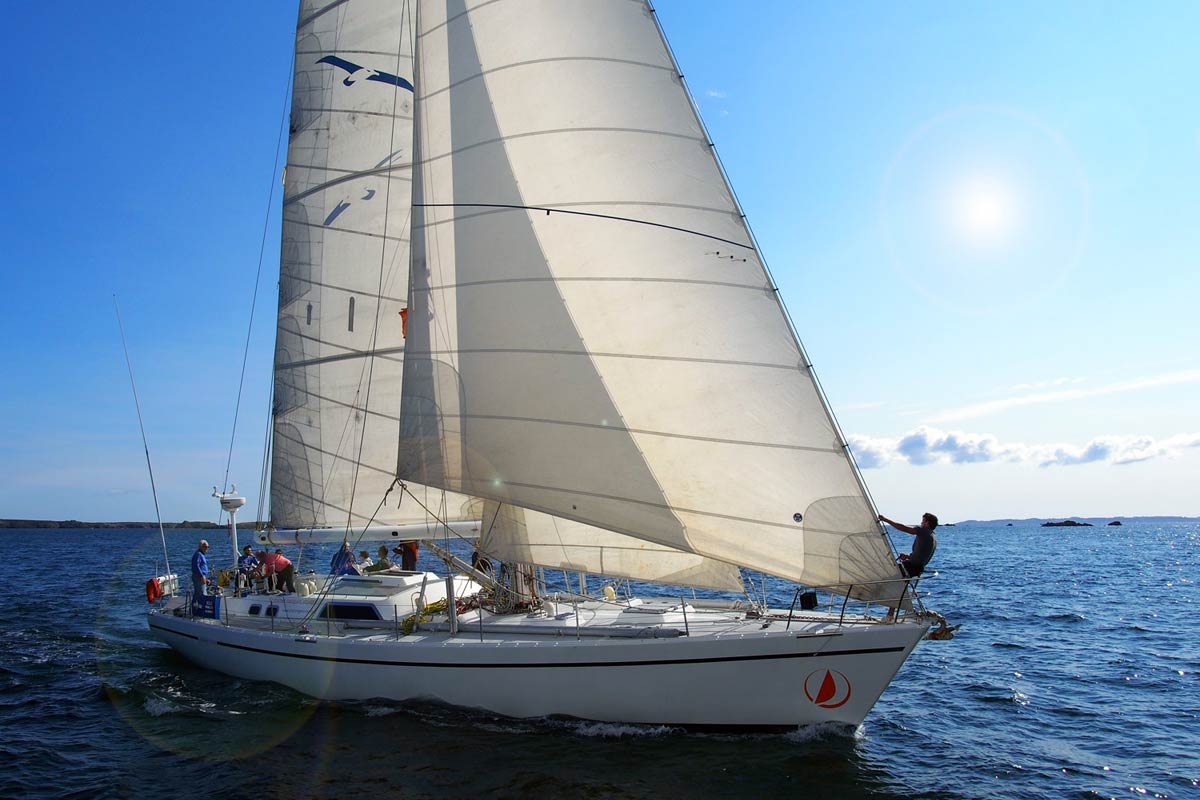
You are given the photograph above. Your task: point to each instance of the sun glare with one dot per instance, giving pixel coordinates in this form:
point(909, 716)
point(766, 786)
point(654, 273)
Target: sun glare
point(984, 211)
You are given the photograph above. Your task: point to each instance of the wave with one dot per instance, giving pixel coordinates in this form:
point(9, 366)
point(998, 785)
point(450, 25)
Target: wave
point(160, 707)
point(614, 730)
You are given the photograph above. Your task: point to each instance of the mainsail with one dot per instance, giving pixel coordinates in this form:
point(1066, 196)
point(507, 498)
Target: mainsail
point(593, 335)
point(344, 273)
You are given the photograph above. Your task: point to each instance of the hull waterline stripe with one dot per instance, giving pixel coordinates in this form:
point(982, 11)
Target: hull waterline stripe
point(649, 663)
point(177, 633)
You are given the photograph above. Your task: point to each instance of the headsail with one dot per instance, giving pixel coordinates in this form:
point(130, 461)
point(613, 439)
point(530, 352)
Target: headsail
point(593, 334)
point(344, 271)
point(530, 537)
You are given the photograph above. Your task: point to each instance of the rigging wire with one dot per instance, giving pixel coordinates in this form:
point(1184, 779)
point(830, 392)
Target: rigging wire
point(325, 590)
point(145, 444)
point(264, 472)
point(258, 274)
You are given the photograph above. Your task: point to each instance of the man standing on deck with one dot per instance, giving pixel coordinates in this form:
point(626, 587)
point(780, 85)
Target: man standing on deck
point(200, 579)
point(913, 564)
point(280, 571)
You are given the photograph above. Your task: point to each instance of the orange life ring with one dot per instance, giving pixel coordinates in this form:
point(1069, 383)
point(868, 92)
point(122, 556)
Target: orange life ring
point(153, 590)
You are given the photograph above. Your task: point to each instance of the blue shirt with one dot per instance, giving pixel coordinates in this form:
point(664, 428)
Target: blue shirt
point(247, 563)
point(199, 564)
point(340, 564)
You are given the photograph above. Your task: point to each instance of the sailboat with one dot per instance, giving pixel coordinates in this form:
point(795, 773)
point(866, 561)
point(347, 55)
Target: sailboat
point(520, 301)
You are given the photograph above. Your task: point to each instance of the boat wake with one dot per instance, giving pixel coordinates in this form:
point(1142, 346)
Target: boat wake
point(611, 730)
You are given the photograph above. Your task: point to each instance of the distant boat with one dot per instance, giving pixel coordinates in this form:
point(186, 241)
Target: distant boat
point(569, 353)
point(1068, 523)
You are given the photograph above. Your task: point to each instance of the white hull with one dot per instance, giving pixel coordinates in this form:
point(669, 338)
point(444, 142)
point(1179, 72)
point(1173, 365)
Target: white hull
point(744, 677)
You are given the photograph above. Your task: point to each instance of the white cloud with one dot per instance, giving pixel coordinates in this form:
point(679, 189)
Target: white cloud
point(717, 93)
point(927, 445)
point(863, 406)
point(993, 406)
point(1025, 387)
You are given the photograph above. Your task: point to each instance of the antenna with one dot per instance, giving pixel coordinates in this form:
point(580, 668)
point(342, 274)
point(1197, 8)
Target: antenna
point(129, 364)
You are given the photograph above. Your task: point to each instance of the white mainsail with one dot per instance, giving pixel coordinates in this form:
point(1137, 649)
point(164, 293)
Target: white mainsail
point(592, 332)
point(344, 273)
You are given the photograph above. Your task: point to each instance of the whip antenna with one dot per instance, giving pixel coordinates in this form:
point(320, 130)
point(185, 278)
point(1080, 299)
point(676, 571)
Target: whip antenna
point(129, 364)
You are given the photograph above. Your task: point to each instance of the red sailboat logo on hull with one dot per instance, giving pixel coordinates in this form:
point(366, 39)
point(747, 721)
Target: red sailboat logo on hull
point(827, 688)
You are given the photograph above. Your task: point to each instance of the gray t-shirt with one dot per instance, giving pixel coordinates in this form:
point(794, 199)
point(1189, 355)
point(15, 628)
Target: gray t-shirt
point(923, 546)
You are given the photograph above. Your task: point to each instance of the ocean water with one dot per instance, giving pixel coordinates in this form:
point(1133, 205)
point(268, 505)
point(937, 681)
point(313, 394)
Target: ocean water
point(1074, 674)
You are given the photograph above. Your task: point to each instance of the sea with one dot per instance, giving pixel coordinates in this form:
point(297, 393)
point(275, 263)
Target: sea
point(1075, 674)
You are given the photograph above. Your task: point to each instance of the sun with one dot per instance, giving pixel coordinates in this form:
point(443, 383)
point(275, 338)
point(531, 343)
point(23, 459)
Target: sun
point(984, 210)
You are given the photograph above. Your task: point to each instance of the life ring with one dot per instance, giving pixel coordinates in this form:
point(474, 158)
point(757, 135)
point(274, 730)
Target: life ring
point(153, 590)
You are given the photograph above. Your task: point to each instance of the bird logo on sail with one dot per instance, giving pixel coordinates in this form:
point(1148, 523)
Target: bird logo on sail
point(827, 688)
point(357, 73)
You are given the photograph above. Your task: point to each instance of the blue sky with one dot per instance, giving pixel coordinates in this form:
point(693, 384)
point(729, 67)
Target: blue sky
point(983, 219)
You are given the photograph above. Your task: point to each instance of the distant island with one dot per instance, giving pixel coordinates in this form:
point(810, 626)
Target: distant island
point(1067, 523)
point(74, 523)
point(1115, 522)
point(1149, 518)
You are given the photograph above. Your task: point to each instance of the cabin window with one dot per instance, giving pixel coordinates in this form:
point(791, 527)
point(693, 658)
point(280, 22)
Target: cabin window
point(360, 611)
point(308, 315)
point(255, 609)
point(350, 316)
point(272, 610)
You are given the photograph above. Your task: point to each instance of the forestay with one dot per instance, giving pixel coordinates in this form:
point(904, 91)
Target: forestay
point(344, 272)
point(592, 332)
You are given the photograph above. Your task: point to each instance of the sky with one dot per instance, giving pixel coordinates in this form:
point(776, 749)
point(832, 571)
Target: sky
point(984, 220)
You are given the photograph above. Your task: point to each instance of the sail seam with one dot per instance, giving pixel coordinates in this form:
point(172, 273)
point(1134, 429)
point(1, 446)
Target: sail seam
point(536, 61)
point(337, 288)
point(594, 354)
point(646, 431)
point(378, 168)
point(282, 522)
point(362, 111)
point(349, 176)
point(350, 351)
point(344, 404)
point(558, 512)
point(319, 13)
point(312, 362)
point(613, 279)
point(336, 456)
point(612, 217)
point(350, 231)
point(345, 51)
point(438, 27)
point(555, 131)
